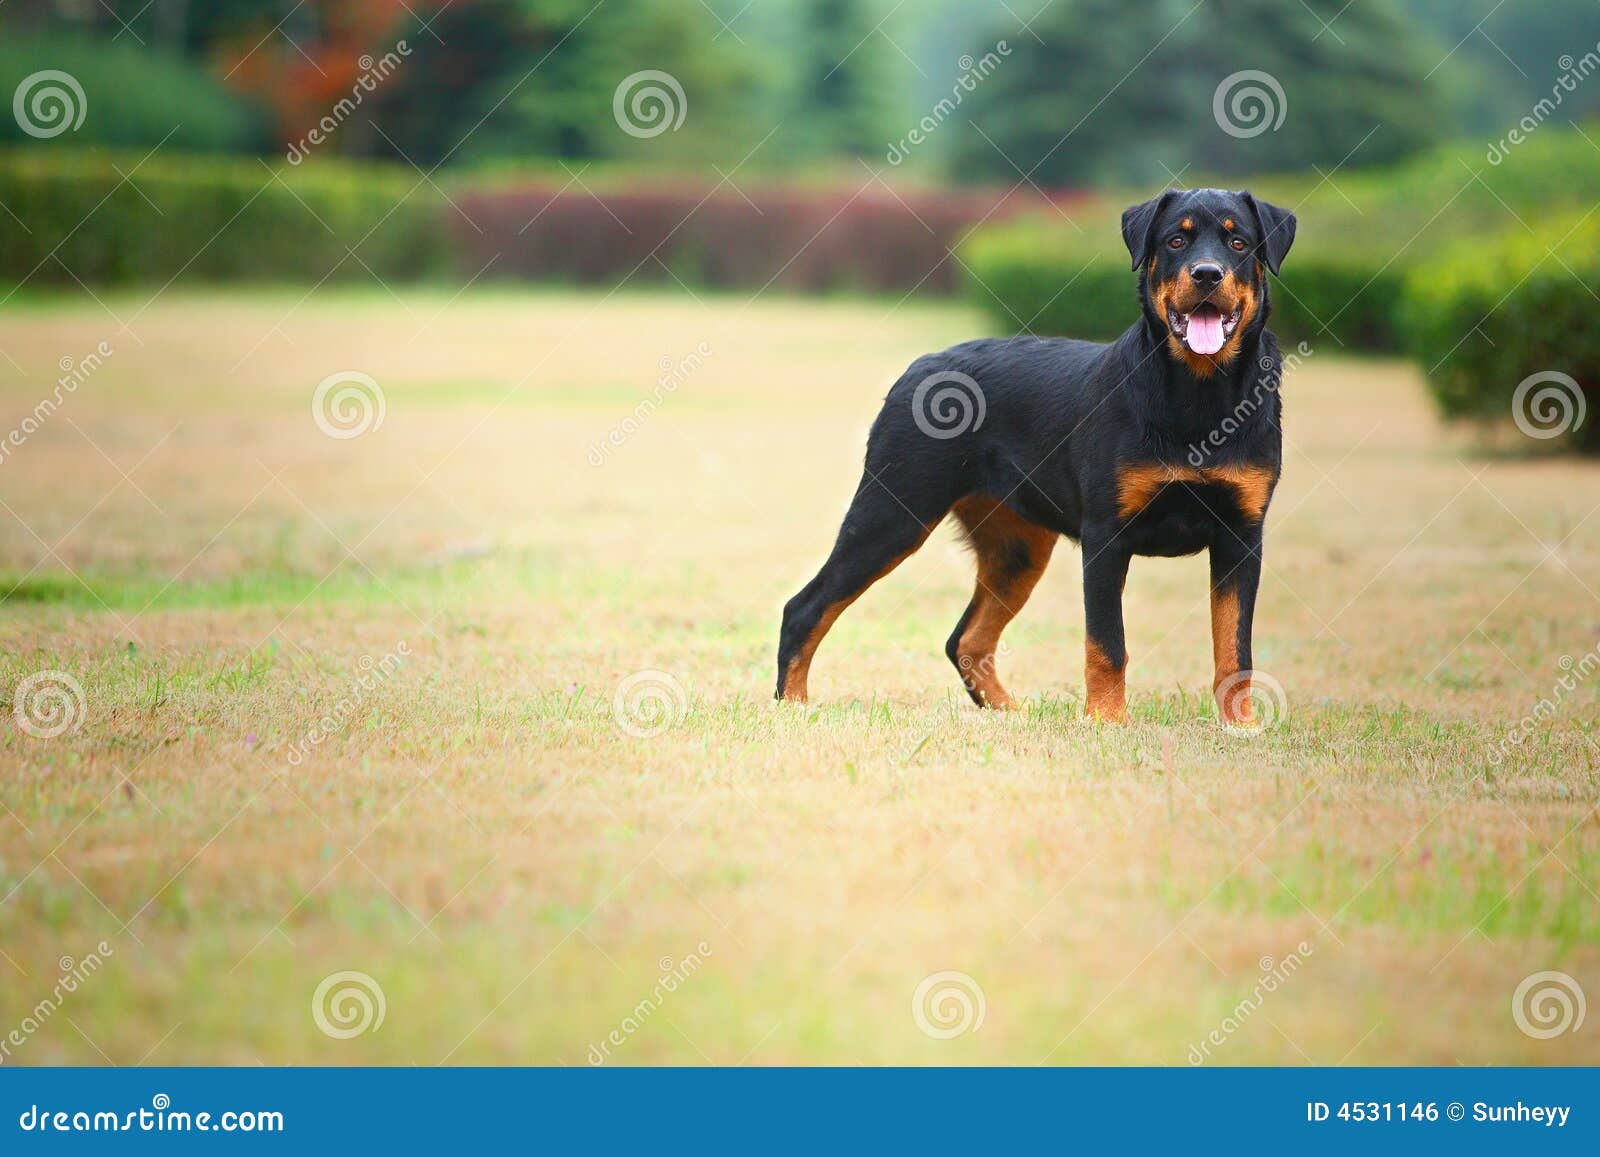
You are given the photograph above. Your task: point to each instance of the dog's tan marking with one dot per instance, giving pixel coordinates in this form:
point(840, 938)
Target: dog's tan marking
point(1252, 486)
point(794, 680)
point(1224, 634)
point(1245, 296)
point(1236, 709)
point(1106, 688)
point(1231, 294)
point(1227, 223)
point(1186, 224)
point(998, 535)
point(1140, 482)
point(1160, 293)
point(799, 670)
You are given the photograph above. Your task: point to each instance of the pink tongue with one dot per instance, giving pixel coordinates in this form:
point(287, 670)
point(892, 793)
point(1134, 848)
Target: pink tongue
point(1205, 332)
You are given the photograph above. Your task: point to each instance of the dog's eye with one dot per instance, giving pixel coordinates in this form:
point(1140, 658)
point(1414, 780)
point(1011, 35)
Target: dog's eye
point(1238, 243)
point(1178, 241)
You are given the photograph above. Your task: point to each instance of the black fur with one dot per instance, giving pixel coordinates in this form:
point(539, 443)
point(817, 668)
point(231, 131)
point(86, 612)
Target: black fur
point(1064, 420)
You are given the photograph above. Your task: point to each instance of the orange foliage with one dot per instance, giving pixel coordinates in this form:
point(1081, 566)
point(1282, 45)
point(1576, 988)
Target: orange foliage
point(304, 64)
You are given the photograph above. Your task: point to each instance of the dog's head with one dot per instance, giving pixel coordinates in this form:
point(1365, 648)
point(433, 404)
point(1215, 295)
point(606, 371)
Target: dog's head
point(1203, 257)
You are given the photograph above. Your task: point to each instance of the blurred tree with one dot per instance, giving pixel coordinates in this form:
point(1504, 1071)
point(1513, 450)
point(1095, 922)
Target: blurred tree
point(1127, 93)
point(841, 98)
point(130, 97)
point(520, 78)
point(1512, 52)
point(301, 60)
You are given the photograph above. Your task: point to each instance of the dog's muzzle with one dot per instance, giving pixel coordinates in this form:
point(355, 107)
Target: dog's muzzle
point(1204, 329)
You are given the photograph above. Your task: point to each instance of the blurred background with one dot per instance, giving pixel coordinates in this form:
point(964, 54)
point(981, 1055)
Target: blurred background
point(1436, 151)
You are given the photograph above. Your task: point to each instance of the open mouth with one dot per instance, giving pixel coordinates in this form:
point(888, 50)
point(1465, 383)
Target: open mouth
point(1205, 329)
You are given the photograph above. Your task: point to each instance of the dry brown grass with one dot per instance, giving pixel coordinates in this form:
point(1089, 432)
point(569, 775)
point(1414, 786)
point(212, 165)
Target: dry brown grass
point(484, 840)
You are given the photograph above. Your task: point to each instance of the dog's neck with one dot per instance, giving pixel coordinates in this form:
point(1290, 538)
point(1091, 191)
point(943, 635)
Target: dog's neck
point(1188, 407)
point(1226, 379)
point(1201, 400)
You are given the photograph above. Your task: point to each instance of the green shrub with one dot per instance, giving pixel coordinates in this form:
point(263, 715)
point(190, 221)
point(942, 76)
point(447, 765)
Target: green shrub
point(106, 218)
point(132, 97)
point(1350, 296)
point(1031, 278)
point(1482, 317)
point(1043, 279)
point(1360, 232)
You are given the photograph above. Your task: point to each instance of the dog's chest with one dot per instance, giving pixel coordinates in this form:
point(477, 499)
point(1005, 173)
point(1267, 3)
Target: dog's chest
point(1177, 507)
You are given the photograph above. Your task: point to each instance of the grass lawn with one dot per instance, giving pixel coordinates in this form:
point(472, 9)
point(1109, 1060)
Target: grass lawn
point(529, 874)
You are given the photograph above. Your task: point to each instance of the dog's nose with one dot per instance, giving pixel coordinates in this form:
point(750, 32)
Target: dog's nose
point(1206, 274)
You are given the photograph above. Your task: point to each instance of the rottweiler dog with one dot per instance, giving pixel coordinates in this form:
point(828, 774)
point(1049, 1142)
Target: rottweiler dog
point(1164, 442)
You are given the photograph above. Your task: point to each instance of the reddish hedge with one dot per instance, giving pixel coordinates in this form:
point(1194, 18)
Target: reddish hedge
point(800, 239)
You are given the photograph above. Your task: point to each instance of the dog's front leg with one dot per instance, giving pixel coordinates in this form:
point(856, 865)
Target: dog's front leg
point(1235, 575)
point(1105, 570)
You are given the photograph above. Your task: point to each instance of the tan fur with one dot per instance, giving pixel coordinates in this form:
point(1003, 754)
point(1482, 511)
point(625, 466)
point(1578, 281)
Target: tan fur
point(993, 529)
point(1106, 695)
point(1183, 296)
point(1237, 709)
point(1224, 635)
point(799, 671)
point(1138, 484)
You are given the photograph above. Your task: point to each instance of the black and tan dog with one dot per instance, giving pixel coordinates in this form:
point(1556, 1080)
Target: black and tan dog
point(1119, 446)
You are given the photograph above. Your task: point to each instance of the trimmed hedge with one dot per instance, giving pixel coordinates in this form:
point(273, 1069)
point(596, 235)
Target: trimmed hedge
point(1477, 344)
point(1028, 280)
point(210, 218)
point(1360, 232)
point(812, 238)
point(1027, 277)
point(216, 218)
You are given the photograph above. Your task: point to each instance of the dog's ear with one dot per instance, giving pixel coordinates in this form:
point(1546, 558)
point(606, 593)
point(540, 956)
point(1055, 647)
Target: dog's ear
point(1137, 221)
point(1277, 231)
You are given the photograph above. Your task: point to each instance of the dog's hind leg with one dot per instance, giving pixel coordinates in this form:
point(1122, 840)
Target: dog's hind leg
point(1012, 554)
point(879, 533)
